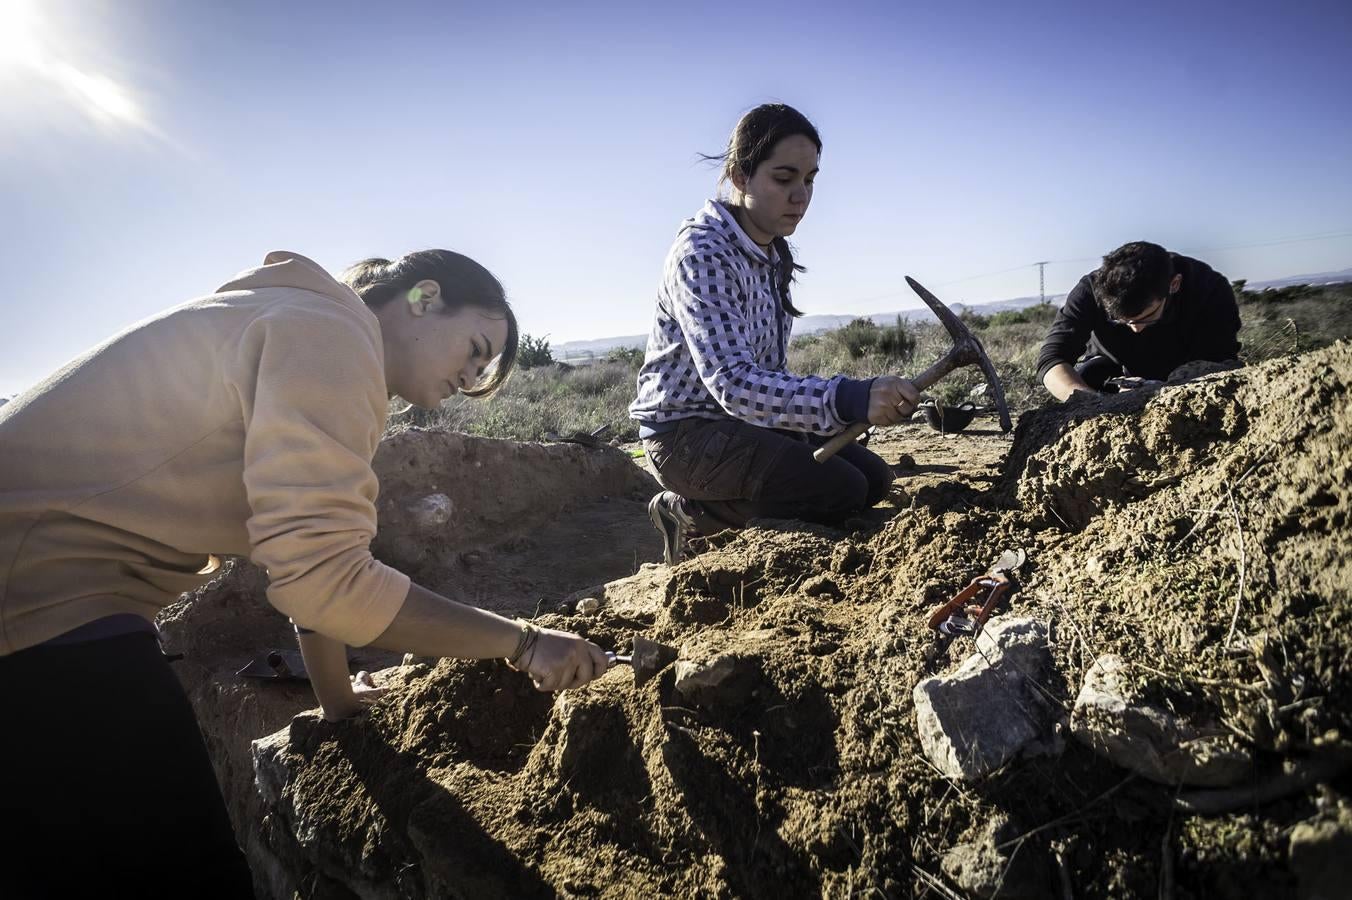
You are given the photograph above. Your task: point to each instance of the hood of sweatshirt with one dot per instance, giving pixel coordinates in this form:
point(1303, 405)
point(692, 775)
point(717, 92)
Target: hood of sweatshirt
point(716, 219)
point(284, 269)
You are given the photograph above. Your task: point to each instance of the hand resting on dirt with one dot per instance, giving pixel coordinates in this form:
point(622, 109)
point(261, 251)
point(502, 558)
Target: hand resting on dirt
point(362, 692)
point(429, 624)
point(891, 400)
point(1063, 383)
point(340, 695)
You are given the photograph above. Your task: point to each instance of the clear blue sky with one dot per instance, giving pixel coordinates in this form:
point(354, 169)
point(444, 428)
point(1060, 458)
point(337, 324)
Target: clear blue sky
point(151, 148)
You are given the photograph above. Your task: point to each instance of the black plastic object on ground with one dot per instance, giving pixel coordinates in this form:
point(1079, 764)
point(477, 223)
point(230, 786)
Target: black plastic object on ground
point(949, 419)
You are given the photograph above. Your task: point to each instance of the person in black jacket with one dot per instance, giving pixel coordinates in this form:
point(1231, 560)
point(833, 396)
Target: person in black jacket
point(1144, 314)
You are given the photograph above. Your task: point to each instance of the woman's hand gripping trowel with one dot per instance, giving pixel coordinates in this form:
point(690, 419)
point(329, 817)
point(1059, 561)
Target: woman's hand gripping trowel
point(647, 658)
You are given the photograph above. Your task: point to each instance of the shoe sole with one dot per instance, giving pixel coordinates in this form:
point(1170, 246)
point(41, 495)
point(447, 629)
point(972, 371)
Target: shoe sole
point(672, 541)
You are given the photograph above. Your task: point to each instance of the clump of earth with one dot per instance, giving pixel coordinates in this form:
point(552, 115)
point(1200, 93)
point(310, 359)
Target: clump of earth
point(1186, 545)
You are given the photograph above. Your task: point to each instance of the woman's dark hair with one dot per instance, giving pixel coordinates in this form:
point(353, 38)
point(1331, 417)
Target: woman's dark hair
point(1132, 277)
point(752, 142)
point(463, 283)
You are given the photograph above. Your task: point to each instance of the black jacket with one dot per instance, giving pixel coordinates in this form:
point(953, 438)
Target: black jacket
point(1201, 321)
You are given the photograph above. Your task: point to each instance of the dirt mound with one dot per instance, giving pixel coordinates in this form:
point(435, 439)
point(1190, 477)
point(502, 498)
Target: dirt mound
point(583, 507)
point(1199, 532)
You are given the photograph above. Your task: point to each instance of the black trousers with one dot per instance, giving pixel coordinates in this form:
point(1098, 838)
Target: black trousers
point(735, 472)
point(106, 789)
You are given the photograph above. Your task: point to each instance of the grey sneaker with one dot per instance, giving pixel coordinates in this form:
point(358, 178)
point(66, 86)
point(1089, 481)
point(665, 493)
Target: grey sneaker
point(667, 510)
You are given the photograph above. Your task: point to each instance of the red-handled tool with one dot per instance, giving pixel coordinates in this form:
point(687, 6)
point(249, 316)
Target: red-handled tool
point(969, 609)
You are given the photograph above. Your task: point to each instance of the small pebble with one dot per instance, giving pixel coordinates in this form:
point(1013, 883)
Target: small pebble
point(588, 606)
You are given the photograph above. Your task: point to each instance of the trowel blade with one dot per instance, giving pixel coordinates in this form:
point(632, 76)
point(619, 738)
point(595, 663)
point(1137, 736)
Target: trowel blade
point(649, 658)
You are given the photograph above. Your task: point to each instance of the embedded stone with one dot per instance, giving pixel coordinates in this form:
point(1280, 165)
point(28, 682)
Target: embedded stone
point(432, 511)
point(991, 709)
point(1149, 739)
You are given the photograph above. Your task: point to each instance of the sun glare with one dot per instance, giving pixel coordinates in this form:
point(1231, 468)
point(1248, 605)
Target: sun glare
point(20, 35)
point(30, 48)
point(103, 96)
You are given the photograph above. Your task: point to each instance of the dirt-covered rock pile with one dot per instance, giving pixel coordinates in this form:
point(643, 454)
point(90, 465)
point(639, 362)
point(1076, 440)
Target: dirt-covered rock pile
point(450, 517)
point(1187, 562)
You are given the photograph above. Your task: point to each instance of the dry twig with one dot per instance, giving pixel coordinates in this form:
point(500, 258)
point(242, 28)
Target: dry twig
point(1243, 568)
point(1063, 871)
point(1299, 776)
point(1061, 820)
point(1167, 863)
point(934, 884)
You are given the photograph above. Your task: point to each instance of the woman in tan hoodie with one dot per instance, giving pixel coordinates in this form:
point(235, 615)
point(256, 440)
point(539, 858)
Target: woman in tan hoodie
point(240, 423)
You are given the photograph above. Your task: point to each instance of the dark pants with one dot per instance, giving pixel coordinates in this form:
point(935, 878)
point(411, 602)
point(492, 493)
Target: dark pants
point(106, 789)
point(1097, 369)
point(734, 472)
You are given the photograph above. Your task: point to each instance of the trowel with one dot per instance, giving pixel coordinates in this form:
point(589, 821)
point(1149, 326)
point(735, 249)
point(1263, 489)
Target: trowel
point(646, 659)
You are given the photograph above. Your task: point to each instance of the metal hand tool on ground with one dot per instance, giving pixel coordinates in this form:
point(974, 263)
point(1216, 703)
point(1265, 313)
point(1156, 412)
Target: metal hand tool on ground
point(647, 658)
point(964, 614)
point(967, 350)
point(276, 665)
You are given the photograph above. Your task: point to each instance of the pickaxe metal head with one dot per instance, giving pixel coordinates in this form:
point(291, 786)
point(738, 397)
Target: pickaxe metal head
point(967, 350)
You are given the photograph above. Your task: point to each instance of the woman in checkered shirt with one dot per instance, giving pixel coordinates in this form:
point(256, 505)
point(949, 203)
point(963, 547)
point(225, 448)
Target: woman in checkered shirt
point(728, 431)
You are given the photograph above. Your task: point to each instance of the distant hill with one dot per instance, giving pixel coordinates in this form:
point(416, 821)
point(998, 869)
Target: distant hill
point(1338, 277)
point(590, 349)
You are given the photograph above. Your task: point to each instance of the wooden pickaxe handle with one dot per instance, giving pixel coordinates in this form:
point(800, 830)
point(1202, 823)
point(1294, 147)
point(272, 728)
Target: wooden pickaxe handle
point(967, 350)
point(960, 355)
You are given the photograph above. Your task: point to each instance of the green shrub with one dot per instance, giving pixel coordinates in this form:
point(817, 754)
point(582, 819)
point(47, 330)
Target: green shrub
point(629, 356)
point(534, 352)
point(556, 398)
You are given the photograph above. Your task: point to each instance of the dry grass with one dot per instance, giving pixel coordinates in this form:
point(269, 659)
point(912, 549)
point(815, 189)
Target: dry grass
point(560, 399)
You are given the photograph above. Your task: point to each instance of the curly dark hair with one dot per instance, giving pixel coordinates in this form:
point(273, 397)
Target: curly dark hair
point(1131, 278)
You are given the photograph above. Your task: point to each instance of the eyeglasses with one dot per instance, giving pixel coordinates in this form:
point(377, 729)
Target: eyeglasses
point(1149, 318)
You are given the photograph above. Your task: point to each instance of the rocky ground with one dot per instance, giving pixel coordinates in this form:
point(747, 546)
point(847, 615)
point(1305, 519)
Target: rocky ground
point(1160, 708)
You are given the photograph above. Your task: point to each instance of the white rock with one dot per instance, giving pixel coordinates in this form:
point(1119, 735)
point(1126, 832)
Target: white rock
point(990, 710)
point(713, 682)
point(1149, 739)
point(588, 606)
point(432, 511)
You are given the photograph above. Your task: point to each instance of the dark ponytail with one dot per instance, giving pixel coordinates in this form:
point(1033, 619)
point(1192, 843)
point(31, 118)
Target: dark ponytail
point(463, 283)
point(752, 142)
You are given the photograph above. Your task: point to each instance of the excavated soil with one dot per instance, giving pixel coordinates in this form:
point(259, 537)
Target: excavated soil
point(1199, 531)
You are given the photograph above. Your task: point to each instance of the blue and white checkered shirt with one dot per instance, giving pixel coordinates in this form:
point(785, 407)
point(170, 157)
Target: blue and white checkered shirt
point(720, 338)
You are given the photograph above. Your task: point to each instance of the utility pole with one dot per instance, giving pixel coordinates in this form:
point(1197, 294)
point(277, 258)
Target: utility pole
point(1041, 281)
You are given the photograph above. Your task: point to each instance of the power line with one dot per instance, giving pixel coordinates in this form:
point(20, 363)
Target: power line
point(1041, 281)
point(1328, 235)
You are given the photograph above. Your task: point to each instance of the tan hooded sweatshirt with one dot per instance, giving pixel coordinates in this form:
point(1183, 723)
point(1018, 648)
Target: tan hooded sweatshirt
point(240, 423)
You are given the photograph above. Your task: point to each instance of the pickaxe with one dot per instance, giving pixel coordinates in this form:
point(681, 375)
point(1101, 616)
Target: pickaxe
point(967, 350)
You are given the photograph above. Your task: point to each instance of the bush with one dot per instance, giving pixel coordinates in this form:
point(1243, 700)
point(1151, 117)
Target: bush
point(556, 399)
point(629, 356)
point(534, 352)
point(1293, 319)
point(560, 399)
point(864, 337)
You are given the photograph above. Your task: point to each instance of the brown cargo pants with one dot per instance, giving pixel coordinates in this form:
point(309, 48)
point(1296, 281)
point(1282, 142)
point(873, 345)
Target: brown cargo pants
point(733, 472)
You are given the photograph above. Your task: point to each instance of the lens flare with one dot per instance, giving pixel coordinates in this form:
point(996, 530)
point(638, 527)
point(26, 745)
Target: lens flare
point(20, 35)
point(100, 95)
point(33, 52)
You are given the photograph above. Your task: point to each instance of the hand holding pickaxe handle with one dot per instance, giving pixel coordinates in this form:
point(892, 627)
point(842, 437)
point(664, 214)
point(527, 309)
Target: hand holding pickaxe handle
point(967, 350)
